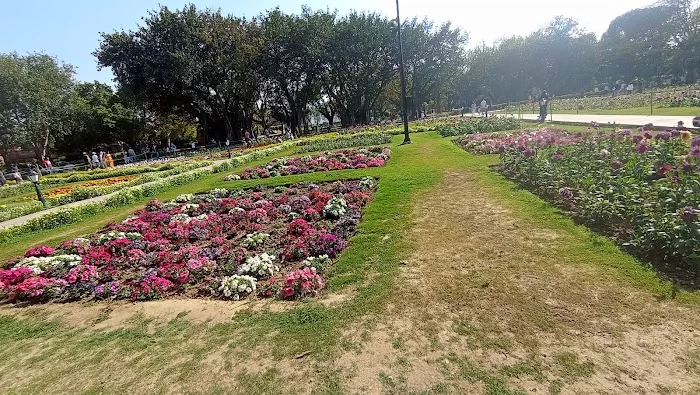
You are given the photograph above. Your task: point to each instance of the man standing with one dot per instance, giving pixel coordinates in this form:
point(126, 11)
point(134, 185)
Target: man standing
point(544, 101)
point(484, 108)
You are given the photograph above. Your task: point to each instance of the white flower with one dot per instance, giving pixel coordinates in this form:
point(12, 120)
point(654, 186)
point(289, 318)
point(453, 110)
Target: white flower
point(335, 207)
point(184, 198)
point(234, 286)
point(262, 265)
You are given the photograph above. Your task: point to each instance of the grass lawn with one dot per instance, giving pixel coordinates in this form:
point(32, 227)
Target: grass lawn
point(457, 282)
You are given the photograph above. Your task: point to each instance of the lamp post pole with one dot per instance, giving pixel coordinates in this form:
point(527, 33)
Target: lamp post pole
point(407, 138)
point(34, 178)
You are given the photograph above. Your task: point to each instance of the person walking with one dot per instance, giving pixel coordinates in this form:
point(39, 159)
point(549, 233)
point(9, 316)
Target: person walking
point(483, 106)
point(544, 102)
point(16, 174)
point(109, 160)
point(47, 164)
point(95, 160)
point(473, 108)
point(131, 155)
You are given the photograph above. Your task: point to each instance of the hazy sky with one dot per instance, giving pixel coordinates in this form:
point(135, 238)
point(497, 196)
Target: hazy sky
point(69, 29)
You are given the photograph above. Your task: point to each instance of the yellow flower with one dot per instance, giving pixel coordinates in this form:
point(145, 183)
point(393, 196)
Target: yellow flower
point(686, 135)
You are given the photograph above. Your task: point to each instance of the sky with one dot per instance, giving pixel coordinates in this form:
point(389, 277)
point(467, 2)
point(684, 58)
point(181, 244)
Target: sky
point(70, 29)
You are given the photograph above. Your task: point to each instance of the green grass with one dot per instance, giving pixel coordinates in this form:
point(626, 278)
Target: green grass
point(148, 356)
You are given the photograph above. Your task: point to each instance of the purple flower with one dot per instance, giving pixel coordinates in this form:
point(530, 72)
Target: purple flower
point(686, 166)
point(637, 138)
point(648, 135)
point(501, 149)
point(648, 126)
point(695, 152)
point(566, 193)
point(695, 142)
point(616, 164)
point(689, 214)
point(529, 153)
point(663, 136)
point(625, 132)
point(642, 147)
point(558, 157)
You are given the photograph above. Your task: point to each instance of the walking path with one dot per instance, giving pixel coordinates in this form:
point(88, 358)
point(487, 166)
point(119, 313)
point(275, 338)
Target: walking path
point(622, 120)
point(96, 199)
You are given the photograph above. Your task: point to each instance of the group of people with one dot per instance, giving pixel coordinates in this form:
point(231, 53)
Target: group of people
point(14, 174)
point(99, 159)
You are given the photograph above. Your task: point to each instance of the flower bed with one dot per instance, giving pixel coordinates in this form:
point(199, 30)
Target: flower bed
point(338, 160)
point(96, 183)
point(344, 141)
point(274, 241)
point(477, 125)
point(494, 143)
point(641, 189)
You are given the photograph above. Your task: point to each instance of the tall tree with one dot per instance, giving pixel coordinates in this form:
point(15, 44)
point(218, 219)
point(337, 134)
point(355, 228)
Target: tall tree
point(36, 93)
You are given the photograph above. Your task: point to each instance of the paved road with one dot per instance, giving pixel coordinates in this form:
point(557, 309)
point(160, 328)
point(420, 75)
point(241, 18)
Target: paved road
point(627, 120)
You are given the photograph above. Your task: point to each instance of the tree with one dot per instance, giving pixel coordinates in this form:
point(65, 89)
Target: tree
point(201, 64)
point(36, 92)
point(360, 60)
point(293, 62)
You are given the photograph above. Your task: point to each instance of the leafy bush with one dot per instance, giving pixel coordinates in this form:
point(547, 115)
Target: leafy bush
point(642, 190)
point(349, 141)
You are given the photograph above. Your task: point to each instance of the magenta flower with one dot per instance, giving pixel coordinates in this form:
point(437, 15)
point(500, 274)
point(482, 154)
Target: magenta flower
point(529, 153)
point(616, 164)
point(558, 157)
point(648, 135)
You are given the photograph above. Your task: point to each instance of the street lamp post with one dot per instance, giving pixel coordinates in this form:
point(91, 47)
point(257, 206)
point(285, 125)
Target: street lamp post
point(407, 138)
point(34, 178)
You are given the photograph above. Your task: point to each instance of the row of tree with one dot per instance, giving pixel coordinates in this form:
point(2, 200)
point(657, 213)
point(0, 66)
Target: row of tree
point(655, 45)
point(227, 75)
point(230, 73)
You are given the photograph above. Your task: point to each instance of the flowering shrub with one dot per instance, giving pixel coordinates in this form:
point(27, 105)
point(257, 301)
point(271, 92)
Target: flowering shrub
point(236, 286)
point(335, 207)
point(204, 245)
point(494, 143)
point(232, 177)
point(301, 283)
point(338, 160)
point(259, 266)
point(255, 239)
point(641, 189)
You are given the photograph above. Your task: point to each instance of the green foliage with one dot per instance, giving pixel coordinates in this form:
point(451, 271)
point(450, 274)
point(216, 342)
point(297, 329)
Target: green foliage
point(349, 141)
point(478, 125)
point(646, 195)
point(35, 91)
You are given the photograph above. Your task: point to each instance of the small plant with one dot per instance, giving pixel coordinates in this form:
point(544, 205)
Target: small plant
point(367, 183)
point(302, 283)
point(255, 239)
point(235, 287)
point(320, 263)
point(335, 207)
point(259, 265)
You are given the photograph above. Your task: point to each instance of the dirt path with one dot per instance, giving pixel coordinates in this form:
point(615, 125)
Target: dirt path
point(487, 304)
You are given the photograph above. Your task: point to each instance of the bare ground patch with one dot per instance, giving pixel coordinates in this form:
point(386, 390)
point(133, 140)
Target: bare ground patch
point(487, 303)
